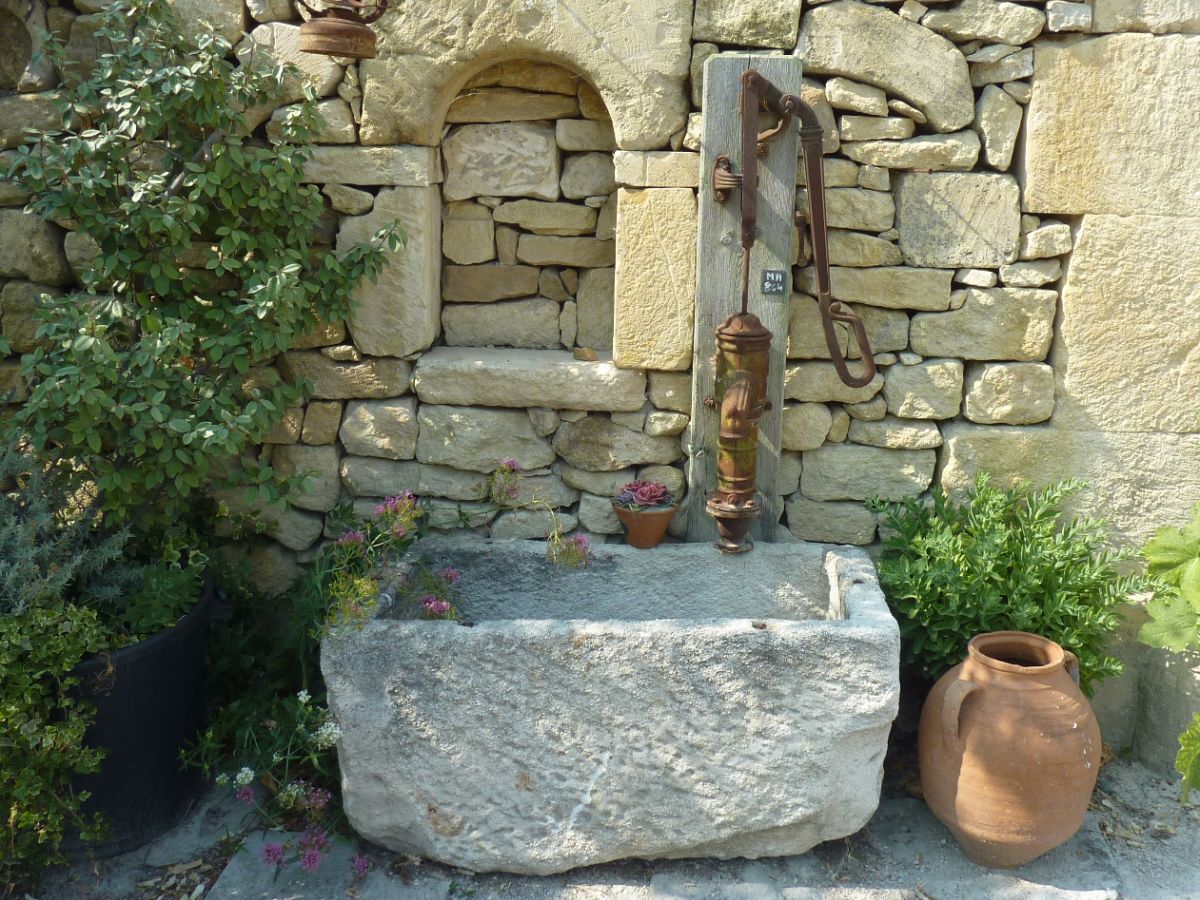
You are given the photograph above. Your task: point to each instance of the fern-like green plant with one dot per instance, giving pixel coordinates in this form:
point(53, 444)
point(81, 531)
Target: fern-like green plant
point(1001, 560)
point(1173, 561)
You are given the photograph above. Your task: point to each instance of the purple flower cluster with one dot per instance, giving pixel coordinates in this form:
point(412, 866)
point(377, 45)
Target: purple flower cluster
point(245, 794)
point(272, 854)
point(360, 864)
point(435, 607)
point(638, 495)
point(401, 503)
point(351, 537)
point(449, 575)
point(509, 465)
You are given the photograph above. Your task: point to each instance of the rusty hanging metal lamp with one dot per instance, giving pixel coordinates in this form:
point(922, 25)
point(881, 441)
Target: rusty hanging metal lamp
point(341, 28)
point(743, 343)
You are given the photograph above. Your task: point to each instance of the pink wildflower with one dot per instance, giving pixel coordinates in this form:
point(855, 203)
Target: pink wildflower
point(316, 799)
point(360, 863)
point(510, 465)
point(246, 795)
point(449, 574)
point(351, 537)
point(272, 854)
point(310, 860)
point(580, 540)
point(435, 605)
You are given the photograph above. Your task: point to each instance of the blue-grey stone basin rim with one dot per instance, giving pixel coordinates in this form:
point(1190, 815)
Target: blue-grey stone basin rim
point(666, 703)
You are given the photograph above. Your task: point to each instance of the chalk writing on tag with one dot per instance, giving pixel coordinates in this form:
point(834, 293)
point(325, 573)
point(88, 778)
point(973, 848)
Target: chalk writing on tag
point(774, 281)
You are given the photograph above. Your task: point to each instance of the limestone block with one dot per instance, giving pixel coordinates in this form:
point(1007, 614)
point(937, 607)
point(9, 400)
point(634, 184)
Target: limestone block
point(958, 219)
point(531, 524)
point(1151, 165)
point(596, 514)
point(83, 47)
point(19, 320)
point(321, 421)
point(523, 378)
point(900, 108)
point(588, 175)
point(750, 23)
point(700, 53)
point(595, 312)
point(287, 429)
point(269, 10)
point(856, 472)
point(787, 475)
point(1064, 16)
point(386, 428)
point(509, 105)
point(506, 245)
point(296, 529)
point(657, 168)
point(605, 484)
point(381, 323)
point(998, 120)
point(894, 287)
point(857, 250)
point(870, 128)
point(541, 217)
point(446, 515)
point(1154, 16)
point(337, 122)
point(819, 382)
point(992, 324)
point(348, 200)
point(544, 421)
point(485, 284)
point(477, 439)
point(568, 324)
point(636, 55)
point(528, 75)
point(654, 301)
point(21, 111)
point(672, 477)
point(521, 323)
point(806, 337)
point(1126, 358)
point(976, 277)
point(805, 425)
point(1047, 240)
point(834, 523)
point(896, 434)
point(552, 285)
point(1135, 480)
point(1031, 273)
point(855, 208)
point(929, 390)
point(468, 233)
point(1009, 393)
point(399, 689)
point(318, 466)
point(671, 391)
point(665, 423)
point(597, 444)
point(551, 250)
point(342, 381)
point(936, 152)
point(399, 166)
point(987, 20)
point(375, 477)
point(16, 43)
point(887, 329)
point(542, 490)
point(873, 45)
point(584, 134)
point(31, 248)
point(513, 159)
point(843, 93)
point(11, 194)
point(278, 44)
point(225, 17)
point(1009, 68)
point(606, 222)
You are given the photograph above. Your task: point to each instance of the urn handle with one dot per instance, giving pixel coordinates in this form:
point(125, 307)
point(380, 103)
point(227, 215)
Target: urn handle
point(952, 702)
point(1071, 665)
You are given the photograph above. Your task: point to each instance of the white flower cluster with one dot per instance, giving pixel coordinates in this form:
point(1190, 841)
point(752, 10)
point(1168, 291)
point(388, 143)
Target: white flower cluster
point(327, 735)
point(244, 776)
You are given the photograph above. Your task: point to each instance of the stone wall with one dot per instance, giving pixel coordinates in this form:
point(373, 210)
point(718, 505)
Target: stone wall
point(1014, 203)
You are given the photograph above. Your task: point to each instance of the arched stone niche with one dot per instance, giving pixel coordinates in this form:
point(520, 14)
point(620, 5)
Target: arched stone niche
point(634, 52)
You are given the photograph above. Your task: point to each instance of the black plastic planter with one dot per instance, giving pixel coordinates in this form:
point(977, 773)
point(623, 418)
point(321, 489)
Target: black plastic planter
point(149, 700)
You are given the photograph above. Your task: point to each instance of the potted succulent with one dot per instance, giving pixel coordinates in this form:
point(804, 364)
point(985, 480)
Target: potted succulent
point(646, 509)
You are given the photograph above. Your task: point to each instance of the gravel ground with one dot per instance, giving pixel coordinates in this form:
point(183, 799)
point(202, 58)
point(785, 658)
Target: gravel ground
point(1138, 842)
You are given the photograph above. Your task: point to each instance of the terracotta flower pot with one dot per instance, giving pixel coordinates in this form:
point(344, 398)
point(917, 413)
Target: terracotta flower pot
point(647, 528)
point(1009, 748)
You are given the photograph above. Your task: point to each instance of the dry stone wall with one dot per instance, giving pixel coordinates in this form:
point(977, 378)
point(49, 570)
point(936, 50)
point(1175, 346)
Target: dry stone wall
point(1013, 198)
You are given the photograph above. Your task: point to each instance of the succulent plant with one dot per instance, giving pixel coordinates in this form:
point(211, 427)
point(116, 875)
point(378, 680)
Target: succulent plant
point(641, 495)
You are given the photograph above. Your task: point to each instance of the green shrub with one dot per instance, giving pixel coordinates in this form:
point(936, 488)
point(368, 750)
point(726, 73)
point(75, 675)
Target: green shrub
point(1001, 560)
point(1173, 560)
point(208, 267)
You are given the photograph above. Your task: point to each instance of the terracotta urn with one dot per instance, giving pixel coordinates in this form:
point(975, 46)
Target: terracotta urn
point(1009, 748)
point(645, 528)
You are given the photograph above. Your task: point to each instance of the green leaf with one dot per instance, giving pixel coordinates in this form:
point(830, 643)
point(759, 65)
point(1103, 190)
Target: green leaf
point(1174, 554)
point(1187, 763)
point(1173, 624)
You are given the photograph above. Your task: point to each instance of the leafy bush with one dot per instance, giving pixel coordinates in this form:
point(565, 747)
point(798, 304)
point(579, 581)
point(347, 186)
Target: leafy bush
point(1002, 560)
point(1173, 560)
point(207, 267)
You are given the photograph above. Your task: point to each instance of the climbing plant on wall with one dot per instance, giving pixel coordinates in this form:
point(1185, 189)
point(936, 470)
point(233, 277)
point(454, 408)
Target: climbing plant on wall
point(206, 265)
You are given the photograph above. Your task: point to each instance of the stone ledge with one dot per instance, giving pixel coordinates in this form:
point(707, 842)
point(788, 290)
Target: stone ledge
point(657, 168)
point(523, 378)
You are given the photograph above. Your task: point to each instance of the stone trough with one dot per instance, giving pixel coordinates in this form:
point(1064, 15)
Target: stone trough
point(665, 704)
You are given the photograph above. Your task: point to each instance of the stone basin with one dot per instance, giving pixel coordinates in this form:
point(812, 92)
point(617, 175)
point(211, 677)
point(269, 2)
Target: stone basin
point(659, 704)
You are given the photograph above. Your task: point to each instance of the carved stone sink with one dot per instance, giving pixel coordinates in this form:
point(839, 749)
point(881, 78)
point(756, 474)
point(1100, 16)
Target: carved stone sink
point(665, 703)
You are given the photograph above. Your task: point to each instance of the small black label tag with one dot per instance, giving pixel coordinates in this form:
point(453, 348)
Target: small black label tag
point(774, 281)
